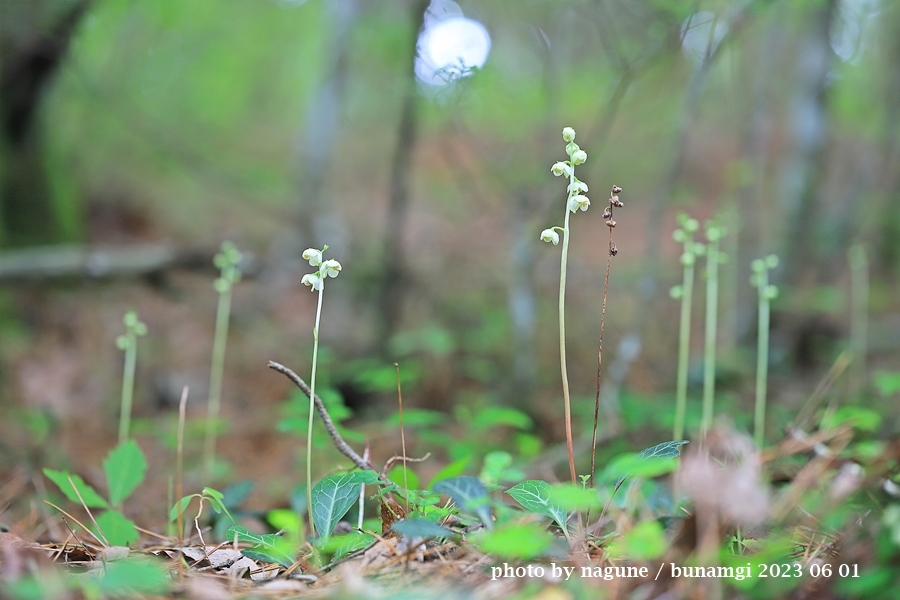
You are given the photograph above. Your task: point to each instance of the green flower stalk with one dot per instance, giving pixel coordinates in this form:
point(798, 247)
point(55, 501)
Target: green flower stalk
point(684, 235)
point(316, 282)
point(575, 201)
point(227, 262)
point(714, 257)
point(760, 280)
point(127, 342)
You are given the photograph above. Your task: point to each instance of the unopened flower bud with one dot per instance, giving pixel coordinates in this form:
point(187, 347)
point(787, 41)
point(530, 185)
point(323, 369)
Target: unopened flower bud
point(572, 148)
point(616, 190)
point(568, 134)
point(688, 259)
point(579, 157)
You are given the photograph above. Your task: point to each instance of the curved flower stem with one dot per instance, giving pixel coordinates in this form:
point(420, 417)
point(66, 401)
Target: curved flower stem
point(562, 334)
point(309, 430)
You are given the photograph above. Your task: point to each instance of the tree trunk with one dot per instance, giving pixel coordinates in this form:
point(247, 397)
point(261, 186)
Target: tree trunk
point(28, 62)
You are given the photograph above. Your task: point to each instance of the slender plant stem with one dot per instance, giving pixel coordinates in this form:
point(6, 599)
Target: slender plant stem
point(179, 462)
point(562, 336)
point(762, 360)
point(309, 430)
point(402, 435)
point(859, 306)
point(709, 356)
point(128, 387)
point(600, 364)
point(684, 346)
point(216, 371)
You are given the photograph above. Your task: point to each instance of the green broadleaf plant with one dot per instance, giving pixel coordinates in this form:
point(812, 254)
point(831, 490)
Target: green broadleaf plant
point(125, 468)
point(268, 547)
point(423, 528)
point(470, 495)
point(214, 497)
point(333, 497)
point(534, 495)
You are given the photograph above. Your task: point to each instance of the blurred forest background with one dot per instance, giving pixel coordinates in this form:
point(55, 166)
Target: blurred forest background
point(135, 137)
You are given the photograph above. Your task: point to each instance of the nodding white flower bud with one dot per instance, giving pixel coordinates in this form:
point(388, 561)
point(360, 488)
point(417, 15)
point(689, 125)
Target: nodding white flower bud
point(688, 259)
point(568, 134)
point(572, 148)
point(313, 281)
point(579, 201)
point(331, 268)
point(549, 235)
point(313, 256)
point(579, 157)
point(577, 187)
point(561, 168)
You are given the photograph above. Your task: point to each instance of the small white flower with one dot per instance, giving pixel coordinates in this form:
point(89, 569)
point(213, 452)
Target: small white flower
point(568, 134)
point(313, 281)
point(561, 168)
point(579, 202)
point(331, 268)
point(313, 256)
point(549, 235)
point(579, 156)
point(577, 187)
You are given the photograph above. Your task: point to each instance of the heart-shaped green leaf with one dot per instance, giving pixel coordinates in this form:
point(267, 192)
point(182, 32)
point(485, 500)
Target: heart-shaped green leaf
point(333, 496)
point(469, 494)
point(534, 495)
point(269, 547)
point(125, 468)
point(116, 529)
point(90, 497)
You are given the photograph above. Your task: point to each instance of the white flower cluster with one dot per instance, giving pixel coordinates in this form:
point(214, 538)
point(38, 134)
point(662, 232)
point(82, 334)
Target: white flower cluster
point(576, 199)
point(327, 268)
